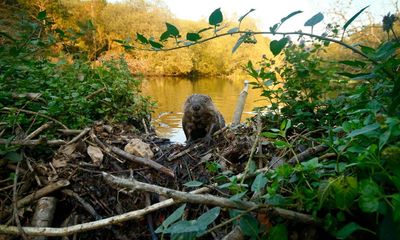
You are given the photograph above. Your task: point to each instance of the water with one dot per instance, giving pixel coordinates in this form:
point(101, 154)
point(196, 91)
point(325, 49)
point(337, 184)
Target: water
point(171, 93)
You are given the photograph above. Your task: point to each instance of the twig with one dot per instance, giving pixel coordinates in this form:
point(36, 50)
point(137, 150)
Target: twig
point(145, 126)
point(206, 198)
point(39, 130)
point(133, 158)
point(33, 142)
point(52, 187)
point(15, 204)
point(307, 153)
point(84, 204)
point(252, 151)
point(95, 93)
point(79, 136)
point(35, 113)
point(195, 146)
point(28, 163)
point(69, 131)
point(149, 218)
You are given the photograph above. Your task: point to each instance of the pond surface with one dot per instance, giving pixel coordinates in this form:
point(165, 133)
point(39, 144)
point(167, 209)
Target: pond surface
point(171, 93)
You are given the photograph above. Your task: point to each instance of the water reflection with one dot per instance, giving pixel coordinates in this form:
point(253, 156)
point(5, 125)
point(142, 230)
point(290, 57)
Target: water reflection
point(171, 93)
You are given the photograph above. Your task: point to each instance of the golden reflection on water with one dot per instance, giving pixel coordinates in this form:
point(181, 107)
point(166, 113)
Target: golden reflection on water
point(171, 93)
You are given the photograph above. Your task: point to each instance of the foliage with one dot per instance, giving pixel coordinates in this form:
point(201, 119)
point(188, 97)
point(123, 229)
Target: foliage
point(74, 92)
point(356, 193)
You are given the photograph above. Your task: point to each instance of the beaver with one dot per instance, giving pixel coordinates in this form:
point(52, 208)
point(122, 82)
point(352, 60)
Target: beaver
point(201, 118)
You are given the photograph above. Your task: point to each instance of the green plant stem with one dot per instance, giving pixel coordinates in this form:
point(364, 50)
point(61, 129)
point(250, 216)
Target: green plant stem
point(230, 220)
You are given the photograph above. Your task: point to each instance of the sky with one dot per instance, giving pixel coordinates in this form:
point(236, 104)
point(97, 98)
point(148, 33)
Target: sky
point(270, 12)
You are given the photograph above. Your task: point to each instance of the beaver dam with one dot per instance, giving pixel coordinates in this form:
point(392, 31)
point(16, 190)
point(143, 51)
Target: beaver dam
point(124, 182)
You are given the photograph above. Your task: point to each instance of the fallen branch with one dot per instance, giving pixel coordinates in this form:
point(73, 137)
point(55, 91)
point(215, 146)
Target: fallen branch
point(65, 231)
point(133, 158)
point(206, 198)
point(79, 136)
point(52, 187)
point(38, 131)
point(70, 131)
point(33, 142)
point(307, 154)
point(34, 113)
point(44, 213)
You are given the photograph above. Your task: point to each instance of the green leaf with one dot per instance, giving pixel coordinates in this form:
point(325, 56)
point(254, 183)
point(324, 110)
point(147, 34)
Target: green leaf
point(347, 230)
point(277, 46)
point(176, 215)
point(193, 37)
point(239, 42)
point(208, 217)
point(353, 18)
point(233, 30)
point(183, 227)
point(216, 17)
point(364, 130)
point(314, 20)
point(42, 15)
point(155, 45)
point(278, 232)
point(370, 195)
point(354, 63)
point(13, 157)
point(383, 138)
point(172, 29)
point(281, 144)
point(141, 38)
point(290, 15)
point(269, 134)
point(164, 36)
point(259, 183)
point(249, 226)
point(345, 191)
point(193, 184)
point(274, 28)
point(311, 164)
point(242, 17)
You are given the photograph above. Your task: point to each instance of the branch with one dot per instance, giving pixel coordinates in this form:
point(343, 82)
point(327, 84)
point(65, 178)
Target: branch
point(133, 158)
point(38, 131)
point(84, 227)
point(207, 199)
point(33, 142)
point(307, 153)
point(34, 113)
point(355, 50)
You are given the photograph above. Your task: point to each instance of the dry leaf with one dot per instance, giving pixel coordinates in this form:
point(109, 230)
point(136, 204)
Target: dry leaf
point(95, 154)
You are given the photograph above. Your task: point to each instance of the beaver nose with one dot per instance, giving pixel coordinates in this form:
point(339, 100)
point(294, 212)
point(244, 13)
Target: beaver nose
point(196, 107)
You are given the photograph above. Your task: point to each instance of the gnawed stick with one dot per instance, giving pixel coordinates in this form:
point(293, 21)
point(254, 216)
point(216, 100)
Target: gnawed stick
point(307, 153)
point(206, 199)
point(70, 131)
point(44, 213)
point(52, 187)
point(38, 130)
point(133, 158)
point(240, 104)
point(84, 227)
point(79, 136)
point(33, 142)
